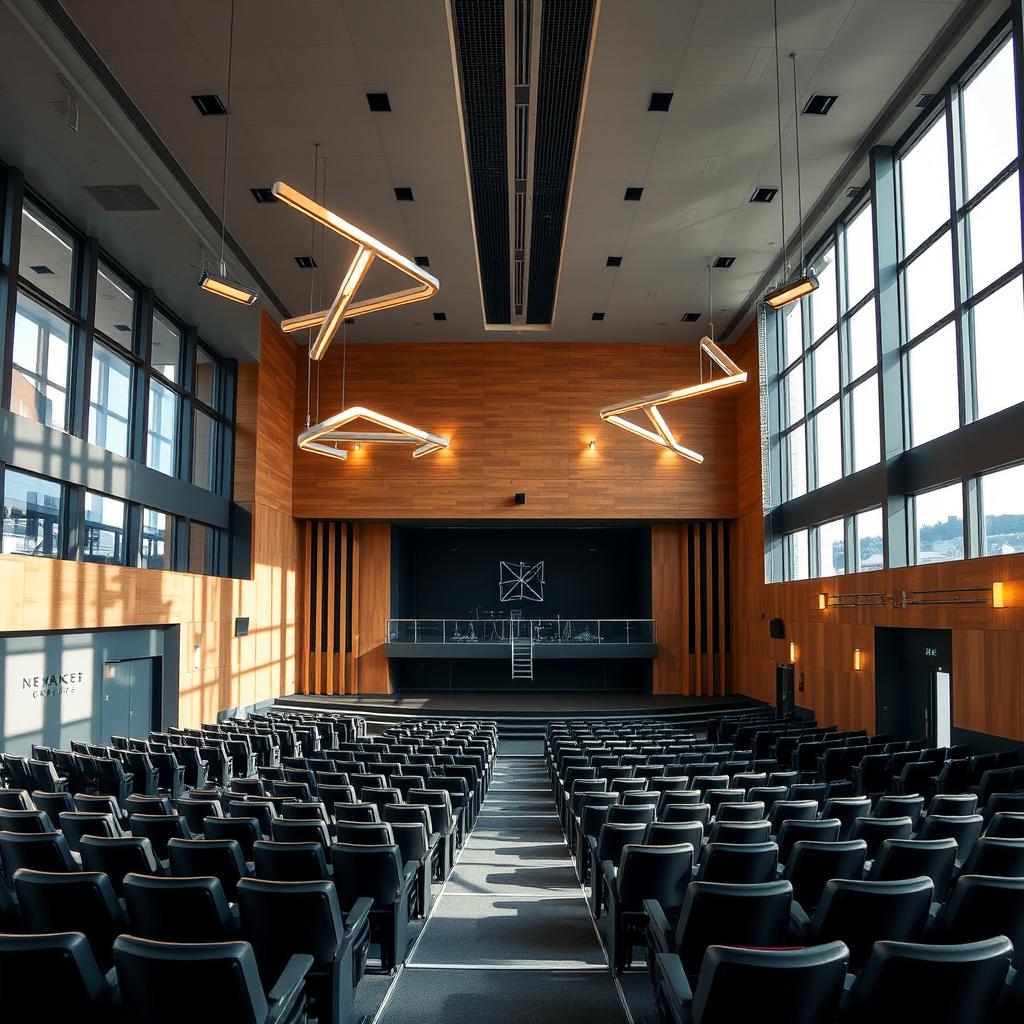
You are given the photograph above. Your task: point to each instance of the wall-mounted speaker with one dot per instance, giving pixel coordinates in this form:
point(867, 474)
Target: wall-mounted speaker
point(777, 629)
point(520, 497)
point(242, 626)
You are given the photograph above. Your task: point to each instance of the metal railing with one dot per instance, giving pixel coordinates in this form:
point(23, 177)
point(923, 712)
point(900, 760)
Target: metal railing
point(541, 631)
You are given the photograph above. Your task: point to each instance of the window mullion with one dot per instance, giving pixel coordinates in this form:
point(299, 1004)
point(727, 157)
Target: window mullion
point(958, 244)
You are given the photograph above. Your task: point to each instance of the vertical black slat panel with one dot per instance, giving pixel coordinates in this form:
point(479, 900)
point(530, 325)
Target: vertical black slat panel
point(691, 624)
point(339, 568)
point(564, 45)
point(727, 583)
point(325, 598)
point(705, 569)
point(716, 583)
point(480, 51)
point(313, 570)
point(348, 588)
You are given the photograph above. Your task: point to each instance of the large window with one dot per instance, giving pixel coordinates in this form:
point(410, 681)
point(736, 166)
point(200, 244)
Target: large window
point(161, 438)
point(39, 369)
point(47, 257)
point(1002, 503)
point(110, 400)
point(104, 529)
point(157, 540)
point(33, 508)
point(939, 525)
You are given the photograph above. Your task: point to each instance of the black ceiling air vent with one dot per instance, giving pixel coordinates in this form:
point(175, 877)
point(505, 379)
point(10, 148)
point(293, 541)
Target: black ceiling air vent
point(306, 262)
point(597, 316)
point(853, 191)
point(210, 105)
point(123, 328)
point(403, 194)
point(820, 104)
point(764, 195)
point(440, 316)
point(690, 318)
point(379, 102)
point(263, 195)
point(41, 269)
point(924, 99)
point(121, 198)
point(422, 261)
point(614, 261)
point(724, 262)
point(633, 194)
point(660, 102)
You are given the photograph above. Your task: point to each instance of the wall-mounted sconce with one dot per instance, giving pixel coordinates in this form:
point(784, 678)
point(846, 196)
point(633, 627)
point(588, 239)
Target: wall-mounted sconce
point(858, 659)
point(197, 655)
point(593, 446)
point(998, 600)
point(792, 652)
point(822, 601)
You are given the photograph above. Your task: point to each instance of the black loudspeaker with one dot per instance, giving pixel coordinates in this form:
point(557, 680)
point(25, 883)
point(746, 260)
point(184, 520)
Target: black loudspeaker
point(520, 497)
point(777, 629)
point(784, 690)
point(242, 626)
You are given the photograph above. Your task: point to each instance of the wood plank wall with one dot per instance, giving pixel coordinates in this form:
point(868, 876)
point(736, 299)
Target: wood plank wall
point(345, 603)
point(233, 671)
point(521, 416)
point(988, 643)
point(689, 601)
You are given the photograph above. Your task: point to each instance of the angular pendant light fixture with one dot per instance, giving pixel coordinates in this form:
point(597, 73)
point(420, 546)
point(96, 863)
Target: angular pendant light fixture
point(806, 282)
point(662, 434)
point(324, 437)
point(219, 283)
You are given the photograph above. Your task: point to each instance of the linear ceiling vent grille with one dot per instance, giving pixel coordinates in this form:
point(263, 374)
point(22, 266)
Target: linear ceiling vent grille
point(121, 198)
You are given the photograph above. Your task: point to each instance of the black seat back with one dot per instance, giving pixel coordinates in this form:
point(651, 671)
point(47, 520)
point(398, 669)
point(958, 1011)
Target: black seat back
point(192, 909)
point(739, 863)
point(289, 862)
point(219, 858)
point(372, 871)
point(119, 857)
point(811, 864)
point(245, 830)
point(46, 851)
point(659, 873)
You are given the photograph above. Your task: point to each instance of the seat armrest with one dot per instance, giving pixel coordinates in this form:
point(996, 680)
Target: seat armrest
point(288, 988)
point(356, 918)
point(673, 981)
point(409, 875)
point(608, 868)
point(657, 925)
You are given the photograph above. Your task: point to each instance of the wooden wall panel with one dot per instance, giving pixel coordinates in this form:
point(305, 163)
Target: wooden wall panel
point(988, 643)
point(520, 416)
point(58, 595)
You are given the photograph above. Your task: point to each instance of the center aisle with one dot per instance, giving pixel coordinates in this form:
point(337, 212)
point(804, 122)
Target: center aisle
point(510, 938)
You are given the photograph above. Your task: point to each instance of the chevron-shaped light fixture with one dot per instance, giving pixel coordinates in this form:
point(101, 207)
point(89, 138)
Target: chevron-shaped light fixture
point(368, 249)
point(662, 433)
point(324, 437)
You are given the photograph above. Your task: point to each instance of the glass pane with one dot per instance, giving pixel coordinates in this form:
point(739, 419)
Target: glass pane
point(793, 395)
point(929, 286)
point(792, 328)
point(860, 257)
point(115, 307)
point(830, 445)
point(1002, 499)
point(823, 300)
point(990, 120)
point(863, 340)
point(797, 562)
point(994, 250)
point(157, 531)
point(47, 254)
point(831, 549)
point(206, 369)
point(39, 373)
point(110, 396)
point(166, 346)
point(934, 392)
point(200, 548)
point(796, 449)
point(999, 349)
point(162, 435)
point(104, 539)
point(940, 527)
point(826, 369)
point(203, 458)
point(866, 441)
point(869, 541)
point(924, 186)
point(32, 511)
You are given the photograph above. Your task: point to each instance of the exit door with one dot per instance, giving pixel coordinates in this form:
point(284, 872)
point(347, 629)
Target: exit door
point(913, 684)
point(127, 708)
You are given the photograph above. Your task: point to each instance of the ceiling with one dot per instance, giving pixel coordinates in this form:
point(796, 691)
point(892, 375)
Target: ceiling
point(302, 79)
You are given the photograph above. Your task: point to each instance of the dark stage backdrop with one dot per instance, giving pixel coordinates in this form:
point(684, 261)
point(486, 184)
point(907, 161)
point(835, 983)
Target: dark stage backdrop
point(440, 572)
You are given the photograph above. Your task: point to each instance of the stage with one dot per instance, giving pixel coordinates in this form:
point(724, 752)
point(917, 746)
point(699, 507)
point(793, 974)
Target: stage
point(521, 714)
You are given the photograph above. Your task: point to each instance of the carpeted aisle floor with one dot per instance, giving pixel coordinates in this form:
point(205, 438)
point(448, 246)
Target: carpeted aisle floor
point(510, 937)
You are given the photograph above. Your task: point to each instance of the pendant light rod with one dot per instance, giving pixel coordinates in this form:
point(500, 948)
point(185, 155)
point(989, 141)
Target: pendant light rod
point(227, 137)
point(799, 184)
point(309, 339)
point(778, 110)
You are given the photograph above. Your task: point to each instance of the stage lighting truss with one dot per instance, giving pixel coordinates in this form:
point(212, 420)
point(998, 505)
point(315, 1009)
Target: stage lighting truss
point(368, 249)
point(324, 438)
point(662, 433)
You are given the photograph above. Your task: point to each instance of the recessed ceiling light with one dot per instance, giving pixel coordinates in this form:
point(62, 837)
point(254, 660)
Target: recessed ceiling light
point(724, 262)
point(614, 261)
point(379, 102)
point(210, 105)
point(403, 194)
point(690, 318)
point(422, 261)
point(440, 316)
point(41, 268)
point(263, 195)
point(820, 104)
point(597, 316)
point(764, 194)
point(633, 194)
point(123, 328)
point(306, 262)
point(660, 102)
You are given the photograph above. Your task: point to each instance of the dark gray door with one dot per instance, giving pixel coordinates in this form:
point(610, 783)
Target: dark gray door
point(127, 699)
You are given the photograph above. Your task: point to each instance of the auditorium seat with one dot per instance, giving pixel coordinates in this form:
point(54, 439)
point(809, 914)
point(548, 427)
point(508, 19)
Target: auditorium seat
point(357, 812)
point(290, 862)
point(822, 830)
point(415, 847)
point(740, 832)
point(686, 812)
point(151, 803)
point(743, 864)
point(112, 779)
point(25, 822)
point(909, 805)
point(747, 810)
point(119, 857)
point(798, 810)
point(847, 809)
point(75, 824)
point(40, 851)
point(811, 863)
point(979, 907)
point(194, 810)
point(220, 858)
point(874, 831)
point(966, 829)
point(793, 986)
point(168, 909)
point(72, 901)
point(607, 849)
point(995, 856)
point(664, 833)
point(45, 778)
point(442, 821)
point(1006, 825)
point(159, 829)
point(300, 830)
point(314, 810)
point(53, 804)
point(58, 971)
point(246, 831)
point(16, 800)
point(950, 984)
point(150, 976)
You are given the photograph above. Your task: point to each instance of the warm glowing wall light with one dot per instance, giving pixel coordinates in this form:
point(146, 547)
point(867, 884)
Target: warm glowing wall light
point(792, 652)
point(593, 446)
point(822, 601)
point(227, 288)
point(793, 290)
point(857, 659)
point(998, 601)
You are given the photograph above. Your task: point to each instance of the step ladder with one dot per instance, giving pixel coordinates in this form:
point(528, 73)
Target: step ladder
point(522, 657)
